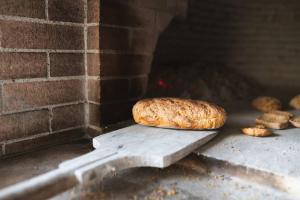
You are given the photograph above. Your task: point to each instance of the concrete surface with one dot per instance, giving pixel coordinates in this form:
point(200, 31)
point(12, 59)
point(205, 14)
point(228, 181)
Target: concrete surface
point(278, 154)
point(20, 168)
point(232, 166)
point(177, 182)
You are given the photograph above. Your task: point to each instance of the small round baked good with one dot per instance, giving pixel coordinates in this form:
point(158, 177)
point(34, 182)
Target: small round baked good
point(259, 126)
point(273, 121)
point(295, 121)
point(178, 113)
point(295, 102)
point(280, 115)
point(266, 104)
point(256, 131)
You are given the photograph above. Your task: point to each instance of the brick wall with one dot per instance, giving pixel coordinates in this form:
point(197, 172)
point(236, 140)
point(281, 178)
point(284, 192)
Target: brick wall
point(63, 73)
point(259, 38)
point(120, 63)
point(42, 73)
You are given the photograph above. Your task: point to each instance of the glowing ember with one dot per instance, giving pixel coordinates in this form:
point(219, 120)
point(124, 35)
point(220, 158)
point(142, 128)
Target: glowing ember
point(162, 83)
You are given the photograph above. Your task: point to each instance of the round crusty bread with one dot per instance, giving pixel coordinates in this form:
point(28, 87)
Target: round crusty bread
point(295, 102)
point(266, 104)
point(178, 113)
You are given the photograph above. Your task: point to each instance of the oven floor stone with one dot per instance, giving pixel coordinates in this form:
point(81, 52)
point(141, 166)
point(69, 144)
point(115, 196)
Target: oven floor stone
point(22, 167)
point(278, 154)
point(178, 182)
point(231, 166)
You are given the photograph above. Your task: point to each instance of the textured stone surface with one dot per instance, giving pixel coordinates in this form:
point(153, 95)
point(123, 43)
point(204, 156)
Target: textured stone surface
point(94, 115)
point(15, 34)
point(22, 65)
point(93, 37)
point(124, 65)
point(120, 13)
point(66, 64)
point(66, 10)
point(93, 61)
point(114, 38)
point(67, 116)
point(24, 8)
point(185, 181)
point(19, 125)
point(18, 96)
point(114, 90)
point(94, 90)
point(93, 7)
point(43, 141)
point(277, 154)
point(23, 167)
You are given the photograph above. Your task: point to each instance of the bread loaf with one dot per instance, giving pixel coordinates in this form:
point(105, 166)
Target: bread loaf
point(295, 102)
point(266, 104)
point(178, 113)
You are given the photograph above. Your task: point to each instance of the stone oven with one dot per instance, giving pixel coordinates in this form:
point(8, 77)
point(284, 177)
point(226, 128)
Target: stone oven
point(71, 70)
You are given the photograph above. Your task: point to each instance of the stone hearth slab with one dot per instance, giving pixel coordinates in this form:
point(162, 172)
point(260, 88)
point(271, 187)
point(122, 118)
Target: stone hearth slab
point(278, 154)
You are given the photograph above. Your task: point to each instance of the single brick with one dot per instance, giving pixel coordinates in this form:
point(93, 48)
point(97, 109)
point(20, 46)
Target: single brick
point(120, 13)
point(66, 64)
point(20, 125)
point(124, 65)
point(115, 112)
point(114, 90)
point(93, 62)
point(138, 87)
point(23, 8)
point(94, 114)
point(22, 65)
point(44, 141)
point(143, 42)
point(93, 37)
point(93, 13)
point(16, 34)
point(66, 10)
point(94, 90)
point(114, 38)
point(67, 117)
point(18, 96)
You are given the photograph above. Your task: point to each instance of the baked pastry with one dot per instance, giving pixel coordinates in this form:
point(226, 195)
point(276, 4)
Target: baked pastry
point(281, 115)
point(266, 104)
point(295, 102)
point(274, 122)
point(178, 113)
point(257, 131)
point(259, 126)
point(295, 121)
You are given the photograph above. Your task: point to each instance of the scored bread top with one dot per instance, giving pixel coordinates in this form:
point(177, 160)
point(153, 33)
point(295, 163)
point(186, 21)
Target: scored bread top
point(179, 113)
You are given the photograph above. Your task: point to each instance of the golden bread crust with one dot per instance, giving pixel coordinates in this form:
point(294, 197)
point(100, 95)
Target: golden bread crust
point(280, 115)
point(266, 104)
point(273, 121)
point(295, 121)
point(295, 102)
point(256, 131)
point(178, 113)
